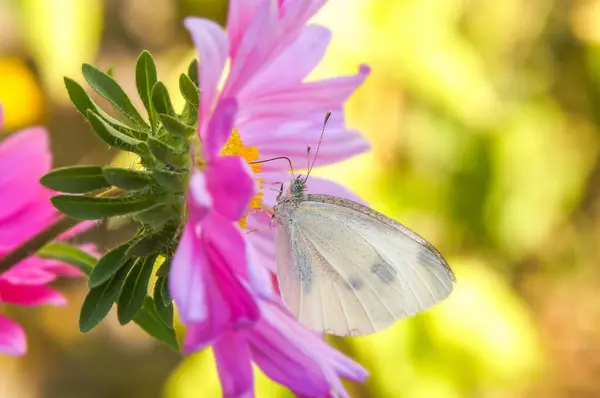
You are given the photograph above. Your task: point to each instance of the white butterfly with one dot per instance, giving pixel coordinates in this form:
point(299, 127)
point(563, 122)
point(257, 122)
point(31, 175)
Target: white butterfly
point(346, 269)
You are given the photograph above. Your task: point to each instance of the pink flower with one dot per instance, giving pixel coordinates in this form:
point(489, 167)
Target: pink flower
point(265, 108)
point(24, 211)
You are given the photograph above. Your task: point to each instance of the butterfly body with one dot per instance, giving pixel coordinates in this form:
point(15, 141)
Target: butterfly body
point(346, 269)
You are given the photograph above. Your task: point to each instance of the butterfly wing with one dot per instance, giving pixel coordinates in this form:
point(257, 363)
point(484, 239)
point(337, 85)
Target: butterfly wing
point(346, 269)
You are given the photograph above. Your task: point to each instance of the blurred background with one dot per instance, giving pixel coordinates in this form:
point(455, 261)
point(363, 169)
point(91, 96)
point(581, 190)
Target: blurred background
point(485, 123)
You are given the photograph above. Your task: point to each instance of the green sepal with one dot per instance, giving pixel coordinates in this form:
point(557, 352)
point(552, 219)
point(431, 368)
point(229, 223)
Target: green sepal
point(131, 298)
point(149, 320)
point(176, 127)
point(128, 179)
point(146, 245)
point(69, 254)
point(107, 87)
point(157, 216)
point(162, 304)
point(83, 103)
point(193, 72)
point(109, 265)
point(189, 90)
point(90, 208)
point(114, 137)
point(161, 99)
point(75, 179)
point(145, 79)
point(168, 154)
point(100, 300)
point(175, 181)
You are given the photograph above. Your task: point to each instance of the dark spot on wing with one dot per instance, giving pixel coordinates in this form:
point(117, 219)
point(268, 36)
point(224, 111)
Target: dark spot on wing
point(384, 272)
point(355, 283)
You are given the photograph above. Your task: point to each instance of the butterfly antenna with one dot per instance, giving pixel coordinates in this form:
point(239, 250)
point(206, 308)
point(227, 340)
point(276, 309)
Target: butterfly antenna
point(318, 145)
point(277, 158)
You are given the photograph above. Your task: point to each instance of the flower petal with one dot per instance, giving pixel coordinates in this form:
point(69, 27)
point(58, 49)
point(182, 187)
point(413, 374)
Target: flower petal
point(199, 196)
point(219, 128)
point(186, 284)
point(304, 53)
point(234, 365)
point(28, 295)
point(238, 18)
point(295, 13)
point(262, 239)
point(12, 338)
point(231, 184)
point(213, 49)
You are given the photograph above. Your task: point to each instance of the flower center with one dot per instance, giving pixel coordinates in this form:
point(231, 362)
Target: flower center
point(234, 146)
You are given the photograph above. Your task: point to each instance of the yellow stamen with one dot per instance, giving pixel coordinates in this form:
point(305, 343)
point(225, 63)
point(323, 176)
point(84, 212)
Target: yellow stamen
point(234, 146)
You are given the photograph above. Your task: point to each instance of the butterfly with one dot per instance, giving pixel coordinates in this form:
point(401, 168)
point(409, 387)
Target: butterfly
point(346, 269)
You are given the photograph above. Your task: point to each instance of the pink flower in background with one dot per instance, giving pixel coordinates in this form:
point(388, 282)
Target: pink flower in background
point(218, 276)
point(25, 210)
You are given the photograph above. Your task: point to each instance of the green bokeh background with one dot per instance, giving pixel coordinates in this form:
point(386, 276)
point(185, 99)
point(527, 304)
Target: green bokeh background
point(485, 120)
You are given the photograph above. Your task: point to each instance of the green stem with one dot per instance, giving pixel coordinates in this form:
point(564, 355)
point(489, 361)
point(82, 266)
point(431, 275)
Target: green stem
point(32, 245)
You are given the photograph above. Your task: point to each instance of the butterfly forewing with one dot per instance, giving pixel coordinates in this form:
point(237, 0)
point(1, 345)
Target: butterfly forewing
point(345, 269)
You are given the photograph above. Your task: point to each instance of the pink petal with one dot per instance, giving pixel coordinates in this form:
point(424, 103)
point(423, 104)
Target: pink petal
point(186, 284)
point(30, 271)
point(12, 337)
point(199, 196)
point(231, 184)
point(213, 48)
point(256, 45)
point(238, 18)
point(17, 227)
point(234, 365)
point(300, 99)
point(304, 53)
point(219, 127)
point(262, 239)
point(295, 13)
point(29, 295)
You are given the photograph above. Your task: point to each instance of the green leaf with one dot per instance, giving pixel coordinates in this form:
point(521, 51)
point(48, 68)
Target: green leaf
point(69, 254)
point(176, 127)
point(127, 178)
point(145, 79)
point(89, 208)
point(165, 267)
point(189, 90)
point(175, 181)
point(110, 72)
point(83, 103)
point(162, 304)
point(161, 99)
point(75, 179)
point(157, 216)
point(147, 245)
point(112, 136)
point(149, 320)
point(193, 72)
point(109, 265)
point(107, 87)
point(134, 290)
point(168, 154)
point(100, 300)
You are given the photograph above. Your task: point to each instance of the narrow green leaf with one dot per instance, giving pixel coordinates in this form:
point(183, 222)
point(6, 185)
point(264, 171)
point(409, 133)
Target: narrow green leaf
point(145, 79)
point(163, 305)
point(89, 208)
point(75, 179)
point(164, 292)
point(110, 72)
point(165, 267)
point(134, 290)
point(100, 300)
point(161, 99)
point(149, 244)
point(149, 321)
point(175, 181)
point(176, 127)
point(189, 90)
point(193, 72)
point(107, 87)
point(109, 265)
point(83, 103)
point(112, 136)
point(127, 178)
point(168, 154)
point(157, 216)
point(69, 254)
